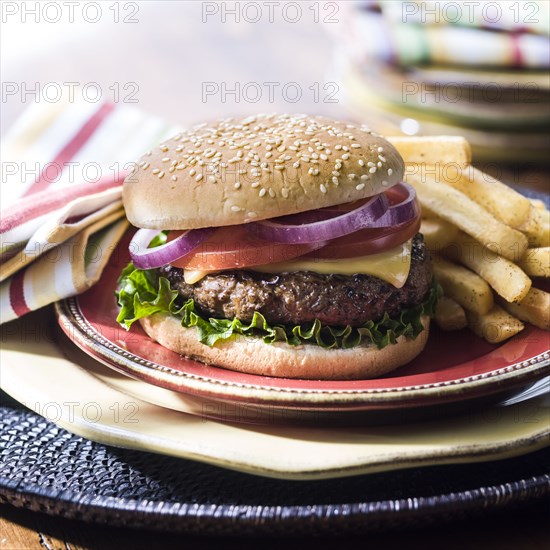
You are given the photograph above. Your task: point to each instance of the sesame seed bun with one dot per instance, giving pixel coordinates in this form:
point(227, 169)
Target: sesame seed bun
point(245, 169)
point(253, 356)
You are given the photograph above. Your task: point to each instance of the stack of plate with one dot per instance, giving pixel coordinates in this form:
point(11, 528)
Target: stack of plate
point(461, 402)
point(441, 68)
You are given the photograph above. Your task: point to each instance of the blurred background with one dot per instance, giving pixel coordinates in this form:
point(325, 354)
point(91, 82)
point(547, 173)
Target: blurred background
point(478, 69)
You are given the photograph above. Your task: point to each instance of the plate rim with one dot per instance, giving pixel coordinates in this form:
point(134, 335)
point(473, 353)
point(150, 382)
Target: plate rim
point(91, 341)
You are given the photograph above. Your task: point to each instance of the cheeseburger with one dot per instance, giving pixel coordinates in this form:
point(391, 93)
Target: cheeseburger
point(278, 245)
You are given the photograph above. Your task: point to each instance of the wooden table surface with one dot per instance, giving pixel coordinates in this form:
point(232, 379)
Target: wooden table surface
point(175, 59)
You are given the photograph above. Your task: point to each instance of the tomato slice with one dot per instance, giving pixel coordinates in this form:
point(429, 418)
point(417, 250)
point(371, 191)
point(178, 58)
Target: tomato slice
point(233, 247)
point(367, 242)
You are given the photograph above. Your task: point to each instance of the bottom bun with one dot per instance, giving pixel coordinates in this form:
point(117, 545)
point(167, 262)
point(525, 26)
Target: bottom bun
point(253, 356)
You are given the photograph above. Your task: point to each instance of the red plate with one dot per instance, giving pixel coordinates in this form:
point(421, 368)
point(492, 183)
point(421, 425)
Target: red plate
point(454, 367)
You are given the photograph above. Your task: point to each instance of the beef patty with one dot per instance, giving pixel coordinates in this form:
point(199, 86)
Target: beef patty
point(302, 296)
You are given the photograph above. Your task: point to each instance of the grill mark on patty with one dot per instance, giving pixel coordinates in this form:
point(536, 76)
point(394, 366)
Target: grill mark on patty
point(303, 296)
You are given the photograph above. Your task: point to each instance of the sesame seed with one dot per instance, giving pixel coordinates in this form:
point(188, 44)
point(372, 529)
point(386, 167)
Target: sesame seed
point(370, 164)
point(271, 193)
point(174, 178)
point(235, 209)
point(351, 176)
point(338, 147)
point(296, 164)
point(322, 188)
point(335, 173)
point(268, 155)
point(146, 165)
point(268, 147)
point(364, 177)
point(335, 181)
point(164, 148)
point(156, 170)
point(379, 164)
point(165, 159)
point(255, 184)
point(345, 156)
point(192, 172)
point(382, 158)
point(345, 148)
point(360, 186)
point(361, 162)
point(372, 170)
point(356, 145)
point(324, 157)
point(211, 179)
point(390, 171)
point(284, 192)
point(262, 192)
point(380, 149)
point(161, 175)
point(279, 167)
point(199, 177)
point(252, 215)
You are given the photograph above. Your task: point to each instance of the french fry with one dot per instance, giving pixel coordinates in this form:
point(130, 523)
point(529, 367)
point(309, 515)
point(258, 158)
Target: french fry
point(495, 326)
point(428, 214)
point(431, 150)
point(449, 315)
point(503, 202)
point(538, 204)
point(537, 227)
point(534, 308)
point(438, 233)
point(506, 278)
point(458, 209)
point(464, 287)
point(536, 262)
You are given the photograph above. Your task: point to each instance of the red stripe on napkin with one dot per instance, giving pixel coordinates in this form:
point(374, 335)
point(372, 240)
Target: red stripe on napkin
point(17, 295)
point(70, 150)
point(517, 57)
point(46, 201)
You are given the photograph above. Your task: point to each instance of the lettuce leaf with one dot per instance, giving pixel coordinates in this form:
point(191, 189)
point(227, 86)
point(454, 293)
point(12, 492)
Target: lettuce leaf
point(143, 292)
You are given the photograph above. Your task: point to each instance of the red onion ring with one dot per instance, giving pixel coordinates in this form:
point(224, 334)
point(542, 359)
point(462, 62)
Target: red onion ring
point(150, 258)
point(337, 226)
point(375, 213)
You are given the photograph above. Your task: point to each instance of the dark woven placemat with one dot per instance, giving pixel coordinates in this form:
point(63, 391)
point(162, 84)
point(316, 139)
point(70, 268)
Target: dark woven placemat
point(45, 468)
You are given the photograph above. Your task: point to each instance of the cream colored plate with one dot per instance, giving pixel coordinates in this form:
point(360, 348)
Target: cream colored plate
point(95, 402)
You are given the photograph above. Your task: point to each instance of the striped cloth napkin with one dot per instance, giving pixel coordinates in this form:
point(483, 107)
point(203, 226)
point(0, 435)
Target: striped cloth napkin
point(388, 34)
point(62, 215)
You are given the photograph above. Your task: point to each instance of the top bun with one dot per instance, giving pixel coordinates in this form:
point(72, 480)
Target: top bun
point(240, 170)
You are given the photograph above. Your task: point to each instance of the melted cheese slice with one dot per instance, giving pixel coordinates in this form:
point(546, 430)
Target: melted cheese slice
point(392, 266)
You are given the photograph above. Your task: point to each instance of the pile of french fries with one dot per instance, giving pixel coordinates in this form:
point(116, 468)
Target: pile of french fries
point(488, 241)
